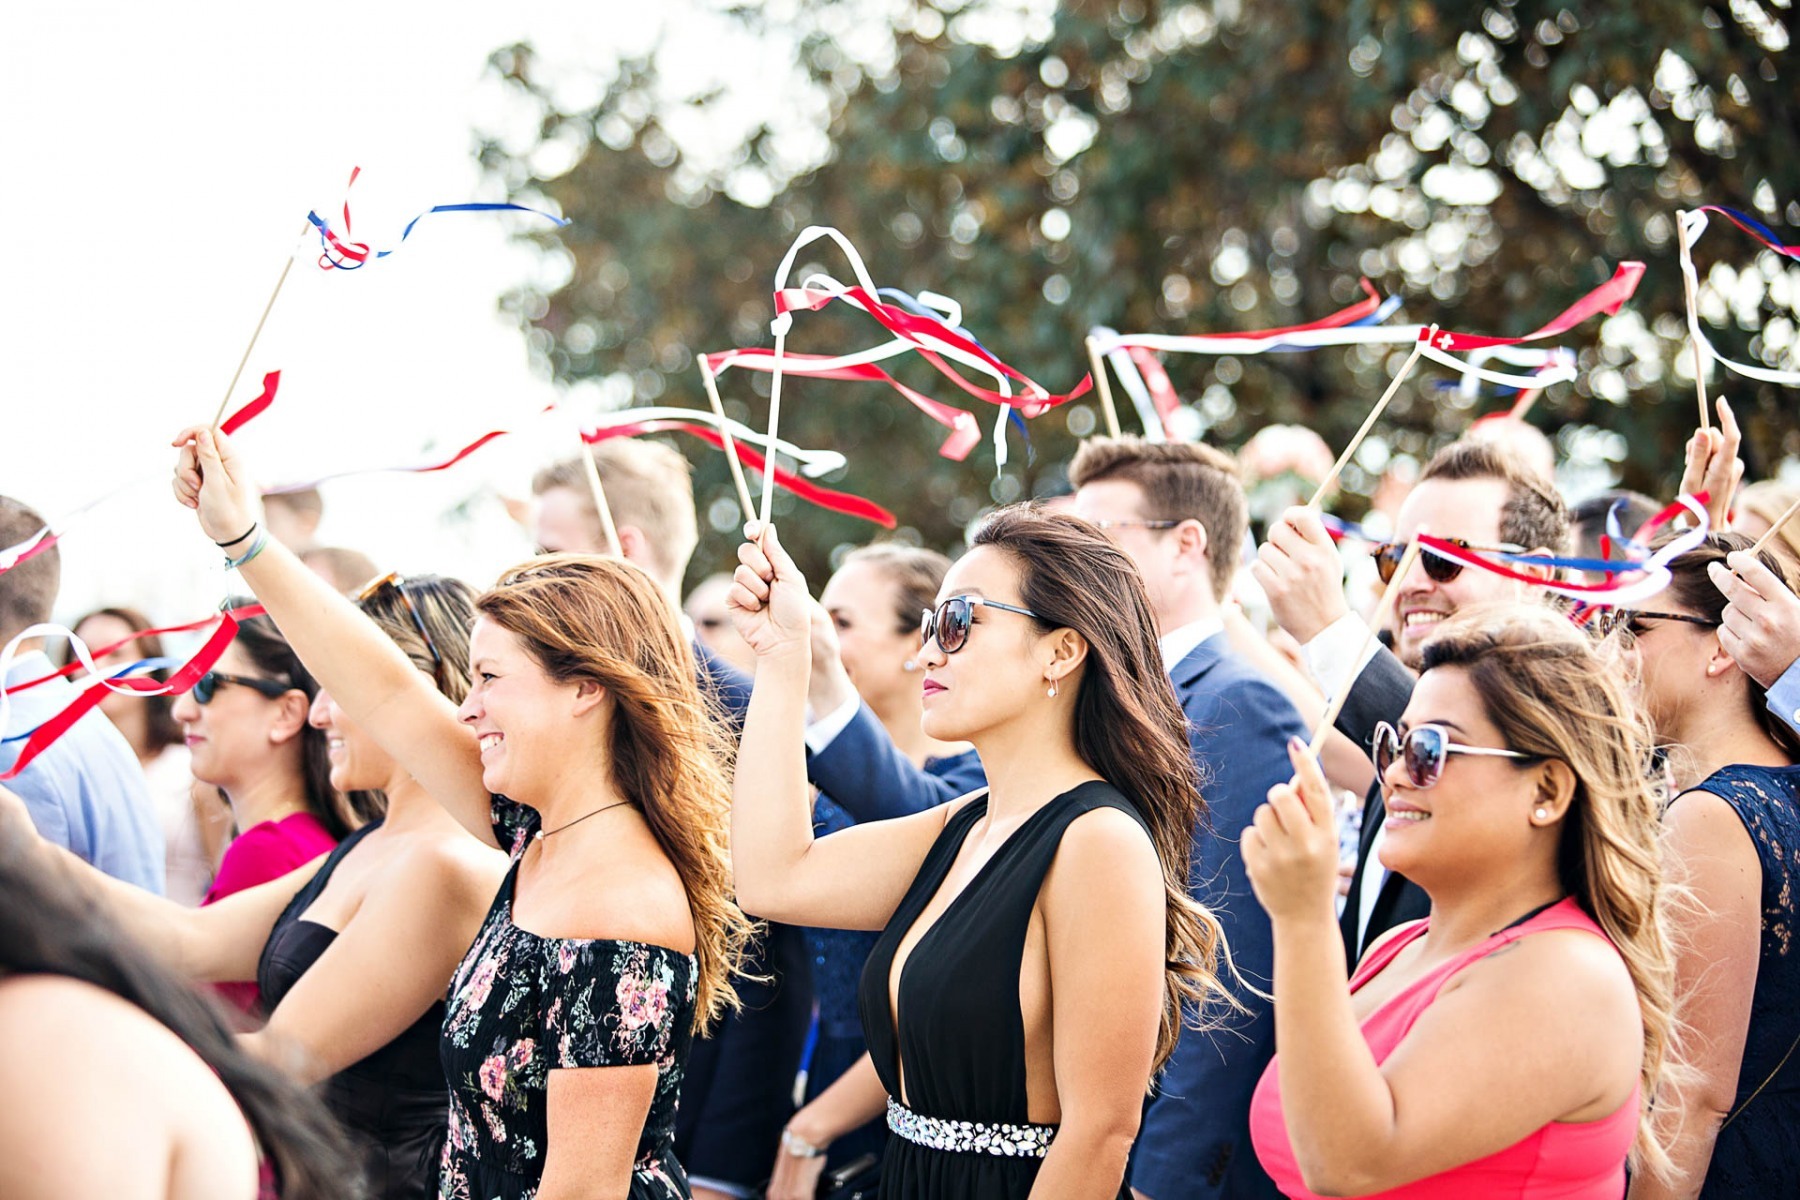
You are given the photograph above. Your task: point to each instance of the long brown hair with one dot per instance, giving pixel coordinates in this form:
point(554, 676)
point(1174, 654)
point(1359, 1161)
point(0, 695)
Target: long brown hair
point(1128, 726)
point(602, 620)
point(1555, 693)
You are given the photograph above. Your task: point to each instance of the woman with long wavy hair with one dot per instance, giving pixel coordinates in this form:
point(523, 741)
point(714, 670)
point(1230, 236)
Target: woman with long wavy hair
point(585, 750)
point(1512, 1043)
point(1039, 939)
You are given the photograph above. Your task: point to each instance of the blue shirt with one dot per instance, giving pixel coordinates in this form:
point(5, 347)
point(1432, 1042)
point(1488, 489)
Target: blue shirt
point(86, 792)
point(1784, 697)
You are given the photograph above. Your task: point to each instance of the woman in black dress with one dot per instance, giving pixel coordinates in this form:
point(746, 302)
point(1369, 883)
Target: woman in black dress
point(585, 749)
point(1039, 938)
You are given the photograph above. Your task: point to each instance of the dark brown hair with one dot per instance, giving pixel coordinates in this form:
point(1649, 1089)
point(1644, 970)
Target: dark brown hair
point(585, 617)
point(1533, 516)
point(27, 591)
point(915, 572)
point(1128, 726)
point(1181, 481)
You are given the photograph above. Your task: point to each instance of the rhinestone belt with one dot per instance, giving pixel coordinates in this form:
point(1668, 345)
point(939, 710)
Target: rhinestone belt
point(977, 1137)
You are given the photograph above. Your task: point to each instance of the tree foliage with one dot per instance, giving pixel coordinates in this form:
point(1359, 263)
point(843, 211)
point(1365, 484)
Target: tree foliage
point(1186, 167)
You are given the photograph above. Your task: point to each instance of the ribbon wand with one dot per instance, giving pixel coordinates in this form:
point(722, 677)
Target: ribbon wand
point(1389, 596)
point(1105, 386)
point(257, 332)
point(1337, 468)
point(731, 450)
point(1690, 290)
point(1763, 541)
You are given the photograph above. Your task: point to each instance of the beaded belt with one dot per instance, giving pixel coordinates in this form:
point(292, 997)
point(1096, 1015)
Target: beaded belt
point(979, 1137)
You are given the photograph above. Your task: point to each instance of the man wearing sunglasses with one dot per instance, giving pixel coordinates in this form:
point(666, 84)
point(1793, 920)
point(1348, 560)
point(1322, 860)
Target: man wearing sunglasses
point(1179, 511)
point(86, 792)
point(1474, 493)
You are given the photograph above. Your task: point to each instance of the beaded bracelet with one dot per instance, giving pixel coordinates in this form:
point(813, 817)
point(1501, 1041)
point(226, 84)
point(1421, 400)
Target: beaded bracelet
point(240, 537)
point(256, 548)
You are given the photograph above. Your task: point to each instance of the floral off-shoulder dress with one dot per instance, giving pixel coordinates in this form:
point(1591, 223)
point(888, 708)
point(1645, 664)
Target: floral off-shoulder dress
point(521, 1006)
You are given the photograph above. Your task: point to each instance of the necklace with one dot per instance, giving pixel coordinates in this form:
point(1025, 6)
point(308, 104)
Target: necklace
point(541, 834)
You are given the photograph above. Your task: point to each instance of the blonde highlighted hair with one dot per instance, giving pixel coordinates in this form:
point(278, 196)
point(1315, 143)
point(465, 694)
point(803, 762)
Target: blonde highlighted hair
point(587, 618)
point(1555, 693)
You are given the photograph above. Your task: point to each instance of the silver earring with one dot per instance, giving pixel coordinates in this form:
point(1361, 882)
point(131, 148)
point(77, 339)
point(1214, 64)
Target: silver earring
point(1542, 814)
point(1051, 692)
point(909, 665)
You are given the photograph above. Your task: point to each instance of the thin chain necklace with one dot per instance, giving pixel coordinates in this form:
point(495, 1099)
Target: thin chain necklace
point(544, 833)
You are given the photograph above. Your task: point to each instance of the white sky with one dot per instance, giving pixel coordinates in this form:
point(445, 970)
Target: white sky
point(161, 162)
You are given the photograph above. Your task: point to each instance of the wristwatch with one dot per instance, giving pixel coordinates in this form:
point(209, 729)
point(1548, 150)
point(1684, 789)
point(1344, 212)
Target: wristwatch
point(799, 1147)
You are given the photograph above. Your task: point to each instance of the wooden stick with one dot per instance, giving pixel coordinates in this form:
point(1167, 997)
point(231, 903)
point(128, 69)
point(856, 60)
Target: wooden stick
point(257, 332)
point(1523, 404)
point(608, 530)
point(768, 493)
point(1389, 596)
point(1693, 314)
point(1337, 468)
point(1763, 541)
point(1098, 367)
point(731, 451)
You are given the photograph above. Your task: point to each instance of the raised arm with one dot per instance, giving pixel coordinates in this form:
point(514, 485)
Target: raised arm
point(371, 679)
point(216, 944)
point(849, 880)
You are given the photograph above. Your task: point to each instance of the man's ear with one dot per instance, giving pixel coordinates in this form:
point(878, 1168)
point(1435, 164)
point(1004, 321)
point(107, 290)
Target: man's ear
point(1534, 570)
point(1194, 537)
point(634, 545)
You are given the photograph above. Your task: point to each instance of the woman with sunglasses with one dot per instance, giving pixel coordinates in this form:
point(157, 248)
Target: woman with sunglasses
point(353, 952)
point(1731, 832)
point(584, 747)
point(246, 729)
point(1512, 1043)
point(1039, 939)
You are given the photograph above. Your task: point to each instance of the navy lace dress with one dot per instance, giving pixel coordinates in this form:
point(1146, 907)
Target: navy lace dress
point(1757, 1153)
point(521, 1006)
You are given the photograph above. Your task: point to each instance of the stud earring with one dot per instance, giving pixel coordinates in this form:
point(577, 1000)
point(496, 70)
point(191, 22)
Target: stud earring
point(909, 665)
point(1542, 814)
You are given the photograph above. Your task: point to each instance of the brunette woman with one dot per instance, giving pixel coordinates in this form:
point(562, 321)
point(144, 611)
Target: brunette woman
point(1511, 1043)
point(597, 765)
point(1731, 830)
point(1039, 938)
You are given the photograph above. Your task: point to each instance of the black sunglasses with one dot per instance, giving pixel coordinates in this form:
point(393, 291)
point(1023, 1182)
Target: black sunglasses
point(1631, 620)
point(950, 623)
point(397, 581)
point(1437, 568)
point(1425, 749)
point(207, 686)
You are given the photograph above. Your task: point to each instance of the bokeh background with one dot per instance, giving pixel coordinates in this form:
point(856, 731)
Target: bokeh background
point(1165, 167)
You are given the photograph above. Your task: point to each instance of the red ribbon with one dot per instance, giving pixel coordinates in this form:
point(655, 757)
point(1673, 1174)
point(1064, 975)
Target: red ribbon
point(1608, 298)
point(184, 678)
point(840, 502)
point(256, 407)
point(74, 665)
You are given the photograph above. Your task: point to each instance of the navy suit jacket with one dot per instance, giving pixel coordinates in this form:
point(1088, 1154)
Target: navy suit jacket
point(1195, 1139)
point(867, 776)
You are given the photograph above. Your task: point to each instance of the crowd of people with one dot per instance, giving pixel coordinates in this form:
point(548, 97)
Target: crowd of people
point(1018, 874)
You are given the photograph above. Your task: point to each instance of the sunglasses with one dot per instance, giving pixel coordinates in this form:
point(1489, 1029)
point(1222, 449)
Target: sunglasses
point(950, 623)
point(1437, 568)
point(1610, 620)
point(1425, 749)
point(207, 686)
point(397, 582)
point(1106, 524)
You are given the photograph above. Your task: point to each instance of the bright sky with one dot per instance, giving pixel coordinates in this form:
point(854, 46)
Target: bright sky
point(162, 167)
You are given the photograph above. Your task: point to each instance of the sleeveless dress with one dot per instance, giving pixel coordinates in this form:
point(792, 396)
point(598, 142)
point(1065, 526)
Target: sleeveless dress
point(258, 854)
point(393, 1102)
point(1757, 1152)
point(1561, 1161)
point(960, 1036)
point(522, 1005)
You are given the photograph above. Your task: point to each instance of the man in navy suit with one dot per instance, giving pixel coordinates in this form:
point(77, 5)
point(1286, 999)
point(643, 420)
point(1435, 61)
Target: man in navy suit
point(1179, 511)
point(737, 1092)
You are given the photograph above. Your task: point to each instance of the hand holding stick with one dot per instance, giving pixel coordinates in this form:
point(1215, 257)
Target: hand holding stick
point(1337, 468)
point(1389, 596)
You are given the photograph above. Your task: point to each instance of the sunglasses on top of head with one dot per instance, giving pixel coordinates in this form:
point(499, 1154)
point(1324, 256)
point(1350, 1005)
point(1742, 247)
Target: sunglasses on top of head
point(396, 582)
point(950, 623)
point(1437, 568)
point(207, 686)
point(1425, 749)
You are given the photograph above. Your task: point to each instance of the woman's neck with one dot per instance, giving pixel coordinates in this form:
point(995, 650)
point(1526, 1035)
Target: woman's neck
point(269, 797)
point(1029, 764)
point(1719, 735)
point(1468, 911)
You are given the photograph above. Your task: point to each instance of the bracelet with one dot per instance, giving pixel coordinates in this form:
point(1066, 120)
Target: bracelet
point(256, 548)
point(799, 1147)
point(240, 537)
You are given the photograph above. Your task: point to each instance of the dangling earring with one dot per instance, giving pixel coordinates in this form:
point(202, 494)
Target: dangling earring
point(1051, 691)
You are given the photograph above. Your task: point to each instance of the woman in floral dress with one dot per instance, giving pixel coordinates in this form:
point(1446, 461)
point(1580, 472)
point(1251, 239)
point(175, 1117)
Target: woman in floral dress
point(584, 749)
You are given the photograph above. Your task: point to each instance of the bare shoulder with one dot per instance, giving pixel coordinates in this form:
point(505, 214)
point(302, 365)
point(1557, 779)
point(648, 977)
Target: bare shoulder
point(1104, 844)
point(451, 865)
point(1546, 968)
point(54, 1004)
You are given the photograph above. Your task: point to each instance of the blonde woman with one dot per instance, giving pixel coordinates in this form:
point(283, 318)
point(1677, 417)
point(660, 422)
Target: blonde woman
point(1509, 1044)
point(596, 765)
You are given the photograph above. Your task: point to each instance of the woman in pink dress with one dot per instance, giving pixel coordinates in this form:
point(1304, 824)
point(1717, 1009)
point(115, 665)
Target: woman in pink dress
point(1510, 1044)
